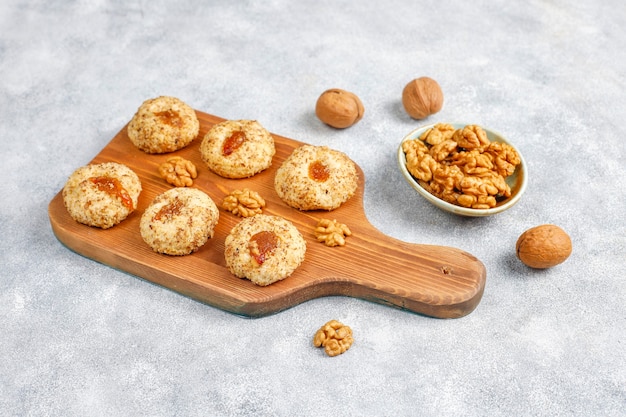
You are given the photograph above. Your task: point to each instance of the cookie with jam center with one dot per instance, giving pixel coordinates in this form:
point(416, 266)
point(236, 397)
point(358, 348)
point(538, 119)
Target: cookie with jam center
point(264, 249)
point(237, 148)
point(163, 124)
point(179, 221)
point(101, 195)
point(316, 178)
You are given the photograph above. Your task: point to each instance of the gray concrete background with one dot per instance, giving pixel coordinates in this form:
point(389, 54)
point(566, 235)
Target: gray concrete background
point(78, 338)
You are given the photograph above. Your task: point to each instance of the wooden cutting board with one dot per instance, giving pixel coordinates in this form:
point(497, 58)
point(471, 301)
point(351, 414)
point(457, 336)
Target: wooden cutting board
point(436, 281)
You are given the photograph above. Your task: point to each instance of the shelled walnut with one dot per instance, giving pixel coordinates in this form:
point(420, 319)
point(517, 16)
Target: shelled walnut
point(178, 171)
point(244, 203)
point(331, 232)
point(461, 166)
point(334, 337)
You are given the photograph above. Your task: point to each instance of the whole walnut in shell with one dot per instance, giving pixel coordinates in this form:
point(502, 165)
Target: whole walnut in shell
point(543, 246)
point(339, 108)
point(422, 97)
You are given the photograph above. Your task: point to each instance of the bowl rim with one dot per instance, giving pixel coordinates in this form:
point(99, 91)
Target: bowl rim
point(520, 176)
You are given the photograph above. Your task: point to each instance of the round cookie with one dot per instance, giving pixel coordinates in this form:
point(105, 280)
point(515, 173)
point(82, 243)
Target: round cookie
point(101, 195)
point(163, 124)
point(179, 221)
point(238, 148)
point(264, 249)
point(316, 178)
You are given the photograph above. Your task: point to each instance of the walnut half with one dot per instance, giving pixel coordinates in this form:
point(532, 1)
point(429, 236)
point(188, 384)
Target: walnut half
point(178, 171)
point(331, 232)
point(334, 337)
point(244, 203)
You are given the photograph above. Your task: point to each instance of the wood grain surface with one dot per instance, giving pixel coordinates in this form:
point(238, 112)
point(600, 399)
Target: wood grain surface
point(436, 281)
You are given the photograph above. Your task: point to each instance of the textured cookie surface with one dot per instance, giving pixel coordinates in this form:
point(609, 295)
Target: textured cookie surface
point(264, 249)
point(101, 195)
point(316, 178)
point(163, 124)
point(238, 148)
point(179, 221)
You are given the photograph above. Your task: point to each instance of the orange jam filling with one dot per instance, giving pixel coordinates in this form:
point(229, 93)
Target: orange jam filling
point(170, 117)
point(318, 171)
point(233, 142)
point(113, 187)
point(169, 210)
point(262, 245)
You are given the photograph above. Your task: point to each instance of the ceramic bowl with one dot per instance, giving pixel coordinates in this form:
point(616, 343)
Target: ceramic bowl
point(517, 181)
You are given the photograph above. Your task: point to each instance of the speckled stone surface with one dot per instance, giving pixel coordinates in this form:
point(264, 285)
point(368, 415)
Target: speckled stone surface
point(78, 338)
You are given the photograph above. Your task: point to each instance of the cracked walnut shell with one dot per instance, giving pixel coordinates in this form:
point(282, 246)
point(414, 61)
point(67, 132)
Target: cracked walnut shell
point(543, 246)
point(339, 108)
point(422, 97)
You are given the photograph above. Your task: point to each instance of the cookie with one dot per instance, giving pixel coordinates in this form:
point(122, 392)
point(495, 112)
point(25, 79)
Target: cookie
point(264, 249)
point(179, 221)
point(101, 195)
point(163, 124)
point(238, 148)
point(316, 178)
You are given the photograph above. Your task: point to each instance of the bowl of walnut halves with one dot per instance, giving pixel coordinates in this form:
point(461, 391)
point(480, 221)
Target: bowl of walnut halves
point(463, 168)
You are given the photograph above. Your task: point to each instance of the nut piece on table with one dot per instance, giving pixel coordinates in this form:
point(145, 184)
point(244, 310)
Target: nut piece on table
point(543, 246)
point(244, 203)
point(178, 171)
point(331, 232)
point(334, 337)
point(339, 108)
point(422, 97)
